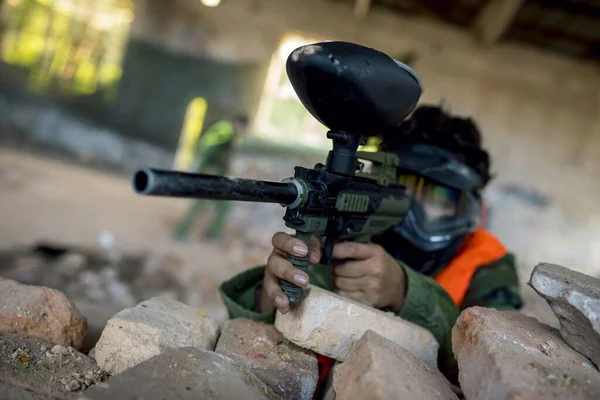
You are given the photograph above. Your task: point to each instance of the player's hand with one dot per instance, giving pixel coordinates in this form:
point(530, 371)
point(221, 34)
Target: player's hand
point(372, 276)
point(278, 268)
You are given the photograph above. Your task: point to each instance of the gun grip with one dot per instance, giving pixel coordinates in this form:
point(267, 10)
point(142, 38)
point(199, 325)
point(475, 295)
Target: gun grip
point(291, 290)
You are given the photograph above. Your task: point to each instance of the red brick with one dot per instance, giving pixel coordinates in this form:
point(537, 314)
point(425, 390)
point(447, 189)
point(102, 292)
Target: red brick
point(42, 313)
point(379, 369)
point(506, 355)
point(287, 369)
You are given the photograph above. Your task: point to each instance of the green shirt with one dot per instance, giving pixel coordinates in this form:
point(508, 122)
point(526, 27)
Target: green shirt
point(215, 147)
point(427, 304)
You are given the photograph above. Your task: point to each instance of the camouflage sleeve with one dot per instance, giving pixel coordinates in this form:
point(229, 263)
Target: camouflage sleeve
point(239, 295)
point(495, 286)
point(427, 304)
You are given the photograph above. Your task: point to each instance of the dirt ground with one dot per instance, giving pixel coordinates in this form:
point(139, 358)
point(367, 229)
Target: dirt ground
point(47, 199)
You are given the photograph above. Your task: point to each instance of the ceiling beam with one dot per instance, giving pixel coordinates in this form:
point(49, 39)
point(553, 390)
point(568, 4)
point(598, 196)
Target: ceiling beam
point(362, 8)
point(494, 18)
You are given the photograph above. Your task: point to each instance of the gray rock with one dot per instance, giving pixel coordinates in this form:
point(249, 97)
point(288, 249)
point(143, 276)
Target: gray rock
point(575, 299)
point(504, 355)
point(97, 315)
point(183, 373)
point(44, 368)
point(139, 333)
point(17, 393)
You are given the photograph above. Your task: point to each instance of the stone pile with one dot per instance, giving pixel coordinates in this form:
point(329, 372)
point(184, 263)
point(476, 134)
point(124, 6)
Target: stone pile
point(162, 348)
point(102, 282)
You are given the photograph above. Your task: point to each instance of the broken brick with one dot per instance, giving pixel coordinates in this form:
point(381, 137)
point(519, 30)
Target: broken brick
point(153, 326)
point(40, 312)
point(329, 324)
point(289, 370)
point(506, 355)
point(575, 299)
point(379, 369)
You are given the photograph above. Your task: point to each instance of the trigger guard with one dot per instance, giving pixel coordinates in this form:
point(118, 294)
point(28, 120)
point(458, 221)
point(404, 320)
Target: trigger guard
point(327, 252)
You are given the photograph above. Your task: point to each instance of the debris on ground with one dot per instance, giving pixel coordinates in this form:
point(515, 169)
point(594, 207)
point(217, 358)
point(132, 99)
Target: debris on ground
point(156, 333)
point(44, 368)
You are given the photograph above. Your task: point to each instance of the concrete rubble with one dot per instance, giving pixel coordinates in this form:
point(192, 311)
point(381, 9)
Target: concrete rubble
point(575, 299)
point(137, 334)
point(164, 348)
point(40, 312)
point(184, 373)
point(289, 370)
point(44, 368)
point(102, 282)
point(326, 323)
point(17, 393)
point(506, 355)
point(379, 369)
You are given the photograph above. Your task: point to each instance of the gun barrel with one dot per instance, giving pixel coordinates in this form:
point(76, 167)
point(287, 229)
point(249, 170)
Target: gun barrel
point(155, 182)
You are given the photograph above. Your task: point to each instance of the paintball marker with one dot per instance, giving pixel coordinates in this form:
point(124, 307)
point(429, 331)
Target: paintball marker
point(357, 92)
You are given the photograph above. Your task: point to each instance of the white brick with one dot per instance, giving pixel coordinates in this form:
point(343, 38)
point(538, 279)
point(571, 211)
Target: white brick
point(136, 334)
point(329, 324)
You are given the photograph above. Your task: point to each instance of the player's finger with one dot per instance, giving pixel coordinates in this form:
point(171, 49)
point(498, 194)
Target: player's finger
point(352, 250)
point(314, 250)
point(283, 269)
point(273, 290)
point(351, 269)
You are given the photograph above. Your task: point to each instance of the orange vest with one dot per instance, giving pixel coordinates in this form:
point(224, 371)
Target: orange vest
point(481, 249)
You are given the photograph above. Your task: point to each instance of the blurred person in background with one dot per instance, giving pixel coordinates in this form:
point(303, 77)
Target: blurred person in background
point(438, 261)
point(213, 156)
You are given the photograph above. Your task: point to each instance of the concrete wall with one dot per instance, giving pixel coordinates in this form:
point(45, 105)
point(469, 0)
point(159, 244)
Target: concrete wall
point(539, 112)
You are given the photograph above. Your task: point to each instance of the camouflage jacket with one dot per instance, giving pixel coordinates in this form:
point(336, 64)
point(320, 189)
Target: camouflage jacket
point(427, 304)
point(215, 147)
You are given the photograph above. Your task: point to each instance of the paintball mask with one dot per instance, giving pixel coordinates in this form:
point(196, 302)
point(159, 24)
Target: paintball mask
point(445, 206)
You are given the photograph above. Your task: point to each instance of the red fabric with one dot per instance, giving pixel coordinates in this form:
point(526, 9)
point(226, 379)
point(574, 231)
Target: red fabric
point(325, 364)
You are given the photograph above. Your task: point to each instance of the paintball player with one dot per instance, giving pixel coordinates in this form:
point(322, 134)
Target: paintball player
point(213, 156)
point(436, 262)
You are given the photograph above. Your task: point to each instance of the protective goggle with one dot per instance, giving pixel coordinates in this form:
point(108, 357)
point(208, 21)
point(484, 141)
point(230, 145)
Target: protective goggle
point(439, 213)
point(437, 201)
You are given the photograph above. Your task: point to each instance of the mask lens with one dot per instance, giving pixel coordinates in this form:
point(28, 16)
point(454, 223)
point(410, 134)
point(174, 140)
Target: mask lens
point(437, 201)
